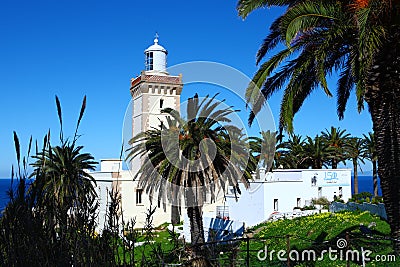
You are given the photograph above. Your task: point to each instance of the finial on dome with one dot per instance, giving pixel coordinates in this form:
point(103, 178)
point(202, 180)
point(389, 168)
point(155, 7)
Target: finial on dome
point(156, 38)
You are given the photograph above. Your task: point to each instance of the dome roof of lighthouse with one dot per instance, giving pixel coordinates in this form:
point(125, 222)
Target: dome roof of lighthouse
point(156, 47)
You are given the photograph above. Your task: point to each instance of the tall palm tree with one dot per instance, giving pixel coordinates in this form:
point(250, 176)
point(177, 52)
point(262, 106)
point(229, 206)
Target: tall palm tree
point(316, 153)
point(355, 151)
point(360, 40)
point(336, 139)
point(370, 148)
point(192, 156)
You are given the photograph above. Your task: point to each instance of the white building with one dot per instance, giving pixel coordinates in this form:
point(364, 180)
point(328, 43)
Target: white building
point(282, 190)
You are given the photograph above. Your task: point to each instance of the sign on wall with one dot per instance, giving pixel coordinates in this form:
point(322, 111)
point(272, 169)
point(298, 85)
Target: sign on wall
point(322, 178)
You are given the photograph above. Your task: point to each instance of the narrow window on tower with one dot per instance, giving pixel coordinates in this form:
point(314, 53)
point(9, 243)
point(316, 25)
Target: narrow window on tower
point(161, 103)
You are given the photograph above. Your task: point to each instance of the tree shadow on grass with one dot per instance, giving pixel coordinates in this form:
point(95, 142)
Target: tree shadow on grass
point(348, 245)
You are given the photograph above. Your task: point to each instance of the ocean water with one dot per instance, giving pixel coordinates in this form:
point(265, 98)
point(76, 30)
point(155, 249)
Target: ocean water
point(364, 182)
point(4, 187)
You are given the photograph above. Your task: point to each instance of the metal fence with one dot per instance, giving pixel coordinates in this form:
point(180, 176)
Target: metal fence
point(347, 248)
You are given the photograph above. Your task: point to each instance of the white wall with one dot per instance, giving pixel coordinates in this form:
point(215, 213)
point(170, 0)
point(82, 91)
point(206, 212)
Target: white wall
point(287, 187)
point(250, 206)
point(110, 165)
point(127, 189)
point(103, 187)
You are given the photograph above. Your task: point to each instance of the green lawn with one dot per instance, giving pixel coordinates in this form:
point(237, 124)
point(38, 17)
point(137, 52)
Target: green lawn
point(316, 233)
point(320, 233)
point(153, 248)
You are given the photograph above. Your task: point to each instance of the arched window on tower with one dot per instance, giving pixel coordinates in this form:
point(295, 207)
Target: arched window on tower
point(149, 61)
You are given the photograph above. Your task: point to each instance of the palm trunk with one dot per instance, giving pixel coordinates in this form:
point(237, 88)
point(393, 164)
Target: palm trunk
point(196, 229)
point(334, 164)
point(375, 177)
point(355, 167)
point(175, 214)
point(383, 98)
point(385, 116)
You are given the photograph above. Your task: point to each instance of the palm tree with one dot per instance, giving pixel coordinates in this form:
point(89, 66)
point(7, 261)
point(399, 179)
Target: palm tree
point(336, 139)
point(61, 174)
point(64, 169)
point(316, 153)
point(359, 39)
point(264, 148)
point(192, 156)
point(355, 151)
point(370, 148)
point(290, 153)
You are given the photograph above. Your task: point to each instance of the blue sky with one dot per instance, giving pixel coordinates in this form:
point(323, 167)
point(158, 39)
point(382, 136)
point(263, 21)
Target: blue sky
point(75, 48)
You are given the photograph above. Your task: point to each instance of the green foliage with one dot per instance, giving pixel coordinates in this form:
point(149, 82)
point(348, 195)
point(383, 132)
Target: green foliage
point(319, 232)
point(263, 148)
point(52, 216)
point(366, 197)
point(376, 200)
point(320, 201)
point(311, 207)
point(358, 40)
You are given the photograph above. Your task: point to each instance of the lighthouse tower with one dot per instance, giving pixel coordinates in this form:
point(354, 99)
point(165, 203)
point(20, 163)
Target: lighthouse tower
point(153, 91)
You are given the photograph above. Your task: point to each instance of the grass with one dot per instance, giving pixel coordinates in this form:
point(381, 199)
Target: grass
point(159, 245)
point(316, 232)
point(320, 232)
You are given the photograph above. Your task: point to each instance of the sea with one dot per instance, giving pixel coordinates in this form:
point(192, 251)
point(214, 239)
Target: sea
point(364, 184)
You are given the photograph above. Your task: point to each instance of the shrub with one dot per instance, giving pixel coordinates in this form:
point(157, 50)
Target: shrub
point(377, 200)
point(320, 201)
point(312, 207)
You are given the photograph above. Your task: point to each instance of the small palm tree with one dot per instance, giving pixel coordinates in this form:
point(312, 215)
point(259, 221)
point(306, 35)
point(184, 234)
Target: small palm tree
point(370, 148)
point(355, 151)
point(64, 169)
point(190, 157)
point(61, 174)
point(336, 139)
